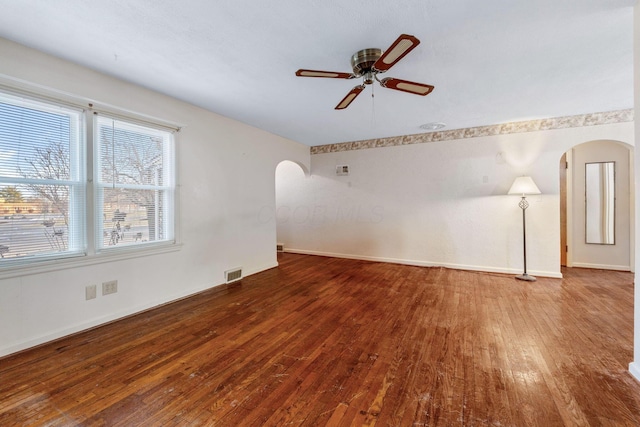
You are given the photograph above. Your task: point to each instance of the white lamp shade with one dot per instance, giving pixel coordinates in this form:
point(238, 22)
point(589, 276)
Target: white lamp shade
point(524, 185)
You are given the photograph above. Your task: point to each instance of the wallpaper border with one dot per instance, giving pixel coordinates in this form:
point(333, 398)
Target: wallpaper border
point(590, 119)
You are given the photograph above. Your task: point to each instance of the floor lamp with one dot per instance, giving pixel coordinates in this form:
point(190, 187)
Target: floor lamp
point(524, 185)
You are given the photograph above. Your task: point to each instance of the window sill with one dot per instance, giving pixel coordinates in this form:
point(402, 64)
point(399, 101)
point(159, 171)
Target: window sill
point(38, 267)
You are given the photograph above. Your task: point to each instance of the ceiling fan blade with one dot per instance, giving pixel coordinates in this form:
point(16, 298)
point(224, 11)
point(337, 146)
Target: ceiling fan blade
point(406, 86)
point(327, 74)
point(350, 97)
point(403, 45)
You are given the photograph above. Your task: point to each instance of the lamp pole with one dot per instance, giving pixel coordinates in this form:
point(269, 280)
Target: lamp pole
point(524, 205)
point(522, 186)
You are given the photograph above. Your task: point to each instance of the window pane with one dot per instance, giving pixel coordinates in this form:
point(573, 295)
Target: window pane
point(131, 154)
point(133, 216)
point(42, 190)
point(135, 186)
point(32, 222)
point(35, 143)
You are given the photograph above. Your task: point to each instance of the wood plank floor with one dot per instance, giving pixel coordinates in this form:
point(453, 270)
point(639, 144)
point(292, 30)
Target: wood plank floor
point(322, 341)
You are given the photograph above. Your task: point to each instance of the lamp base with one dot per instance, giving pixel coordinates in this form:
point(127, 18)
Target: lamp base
point(526, 278)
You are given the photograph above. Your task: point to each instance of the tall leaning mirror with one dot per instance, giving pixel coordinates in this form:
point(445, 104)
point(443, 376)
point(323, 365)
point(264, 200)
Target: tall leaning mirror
point(600, 192)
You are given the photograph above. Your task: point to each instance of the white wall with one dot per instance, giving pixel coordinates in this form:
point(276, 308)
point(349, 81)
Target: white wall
point(226, 174)
point(440, 203)
point(612, 257)
point(634, 366)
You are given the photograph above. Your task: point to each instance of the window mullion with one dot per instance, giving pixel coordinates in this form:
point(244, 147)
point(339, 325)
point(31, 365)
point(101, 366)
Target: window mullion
point(91, 208)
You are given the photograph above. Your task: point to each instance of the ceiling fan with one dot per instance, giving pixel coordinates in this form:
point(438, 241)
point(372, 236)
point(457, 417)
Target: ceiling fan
point(368, 63)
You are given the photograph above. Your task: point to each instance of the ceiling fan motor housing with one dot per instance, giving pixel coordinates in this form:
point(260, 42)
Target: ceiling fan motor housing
point(362, 62)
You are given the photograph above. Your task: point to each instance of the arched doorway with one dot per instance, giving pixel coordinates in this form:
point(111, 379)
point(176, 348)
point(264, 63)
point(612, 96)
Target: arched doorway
point(577, 248)
point(288, 177)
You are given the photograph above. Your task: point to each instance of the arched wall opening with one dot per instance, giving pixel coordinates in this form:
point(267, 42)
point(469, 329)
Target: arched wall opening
point(620, 254)
point(289, 175)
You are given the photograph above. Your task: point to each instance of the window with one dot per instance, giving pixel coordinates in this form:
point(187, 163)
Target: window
point(42, 180)
point(134, 184)
point(44, 207)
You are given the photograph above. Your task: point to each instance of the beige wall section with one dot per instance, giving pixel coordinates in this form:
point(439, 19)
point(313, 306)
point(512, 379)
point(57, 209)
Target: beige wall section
point(438, 203)
point(611, 257)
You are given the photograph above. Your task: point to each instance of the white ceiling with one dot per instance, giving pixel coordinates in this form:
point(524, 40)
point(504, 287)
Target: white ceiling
point(491, 61)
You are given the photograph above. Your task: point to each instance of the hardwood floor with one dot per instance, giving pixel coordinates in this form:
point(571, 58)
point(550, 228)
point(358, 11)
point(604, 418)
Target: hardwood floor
point(323, 341)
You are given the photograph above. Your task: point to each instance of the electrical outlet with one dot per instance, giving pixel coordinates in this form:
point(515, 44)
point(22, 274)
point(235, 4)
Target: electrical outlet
point(90, 292)
point(110, 287)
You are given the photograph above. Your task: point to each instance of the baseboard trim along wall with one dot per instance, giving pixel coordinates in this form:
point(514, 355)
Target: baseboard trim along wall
point(634, 369)
point(61, 333)
point(602, 266)
point(418, 263)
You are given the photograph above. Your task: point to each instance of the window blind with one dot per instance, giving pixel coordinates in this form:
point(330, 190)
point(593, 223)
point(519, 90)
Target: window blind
point(42, 180)
point(135, 185)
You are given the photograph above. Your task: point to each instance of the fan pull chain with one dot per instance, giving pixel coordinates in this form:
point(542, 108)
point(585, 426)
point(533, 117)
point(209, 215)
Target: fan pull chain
point(373, 108)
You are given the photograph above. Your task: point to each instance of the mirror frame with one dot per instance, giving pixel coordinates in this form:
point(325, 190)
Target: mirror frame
point(586, 207)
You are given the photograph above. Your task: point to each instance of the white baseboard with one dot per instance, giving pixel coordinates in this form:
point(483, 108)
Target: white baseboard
point(634, 369)
point(83, 326)
point(260, 268)
point(420, 263)
point(602, 266)
point(61, 333)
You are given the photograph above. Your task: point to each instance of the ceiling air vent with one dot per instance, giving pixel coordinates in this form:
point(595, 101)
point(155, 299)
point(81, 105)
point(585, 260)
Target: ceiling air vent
point(233, 275)
point(342, 170)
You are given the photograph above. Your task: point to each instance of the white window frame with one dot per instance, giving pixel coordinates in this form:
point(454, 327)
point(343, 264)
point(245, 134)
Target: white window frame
point(91, 253)
point(76, 182)
point(167, 189)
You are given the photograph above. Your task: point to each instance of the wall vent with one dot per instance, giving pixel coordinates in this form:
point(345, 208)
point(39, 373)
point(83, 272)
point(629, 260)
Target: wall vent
point(233, 275)
point(280, 247)
point(342, 170)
